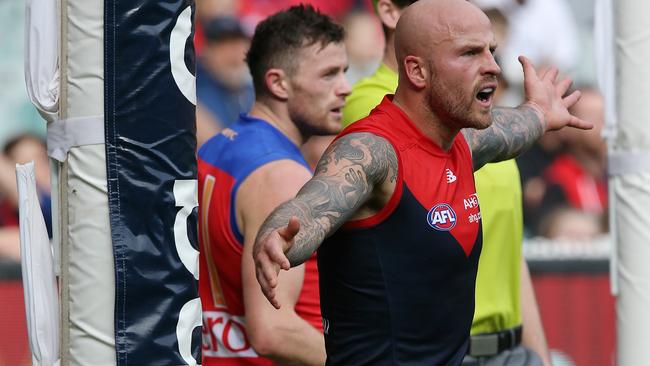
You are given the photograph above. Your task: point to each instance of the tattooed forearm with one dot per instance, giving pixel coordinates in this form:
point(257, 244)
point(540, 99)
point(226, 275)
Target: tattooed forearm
point(309, 233)
point(513, 131)
point(345, 178)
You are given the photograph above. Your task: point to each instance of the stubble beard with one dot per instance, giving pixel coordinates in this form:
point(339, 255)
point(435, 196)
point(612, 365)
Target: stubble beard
point(311, 124)
point(457, 108)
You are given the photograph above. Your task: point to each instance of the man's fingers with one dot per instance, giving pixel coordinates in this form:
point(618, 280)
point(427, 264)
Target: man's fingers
point(571, 99)
point(580, 123)
point(270, 295)
point(277, 256)
point(270, 272)
point(562, 87)
point(291, 230)
point(269, 259)
point(551, 74)
point(529, 69)
point(261, 279)
point(267, 277)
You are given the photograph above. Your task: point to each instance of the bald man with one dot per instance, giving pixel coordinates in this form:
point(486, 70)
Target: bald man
point(506, 324)
point(392, 206)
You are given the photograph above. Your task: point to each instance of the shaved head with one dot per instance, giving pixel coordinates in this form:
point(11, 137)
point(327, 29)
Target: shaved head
point(428, 23)
point(444, 51)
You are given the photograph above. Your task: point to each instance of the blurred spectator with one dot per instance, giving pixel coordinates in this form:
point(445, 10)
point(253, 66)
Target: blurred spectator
point(23, 149)
point(223, 84)
point(543, 30)
point(566, 223)
point(364, 42)
point(252, 12)
point(580, 172)
point(576, 178)
point(210, 9)
point(19, 150)
point(584, 14)
point(531, 166)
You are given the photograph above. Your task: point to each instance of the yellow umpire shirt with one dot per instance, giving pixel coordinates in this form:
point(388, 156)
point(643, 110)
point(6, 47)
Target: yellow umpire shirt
point(499, 192)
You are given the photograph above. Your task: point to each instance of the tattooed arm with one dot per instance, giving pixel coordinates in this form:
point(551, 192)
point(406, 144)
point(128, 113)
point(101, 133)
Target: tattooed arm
point(345, 178)
point(514, 130)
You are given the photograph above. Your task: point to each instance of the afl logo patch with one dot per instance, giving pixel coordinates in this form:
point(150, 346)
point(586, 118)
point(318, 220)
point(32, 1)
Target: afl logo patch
point(442, 217)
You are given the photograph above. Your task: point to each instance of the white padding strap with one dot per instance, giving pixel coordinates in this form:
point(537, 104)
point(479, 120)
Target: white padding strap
point(629, 162)
point(63, 134)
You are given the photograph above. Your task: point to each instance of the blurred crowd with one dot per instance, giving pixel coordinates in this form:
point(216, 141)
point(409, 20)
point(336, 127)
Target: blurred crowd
point(563, 177)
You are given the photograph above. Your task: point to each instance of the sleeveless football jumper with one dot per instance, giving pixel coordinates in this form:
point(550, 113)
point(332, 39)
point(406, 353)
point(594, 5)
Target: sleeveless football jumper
point(224, 163)
point(397, 288)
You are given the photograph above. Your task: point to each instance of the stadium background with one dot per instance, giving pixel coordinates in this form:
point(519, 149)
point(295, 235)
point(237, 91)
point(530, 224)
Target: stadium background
point(570, 276)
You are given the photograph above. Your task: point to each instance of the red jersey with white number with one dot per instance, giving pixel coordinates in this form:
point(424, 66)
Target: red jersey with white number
point(223, 163)
point(397, 288)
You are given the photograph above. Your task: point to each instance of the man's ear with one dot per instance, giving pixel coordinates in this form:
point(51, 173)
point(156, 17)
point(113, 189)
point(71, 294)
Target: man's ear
point(416, 71)
point(277, 83)
point(388, 13)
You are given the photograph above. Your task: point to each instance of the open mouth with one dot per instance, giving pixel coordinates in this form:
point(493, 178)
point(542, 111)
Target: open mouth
point(485, 95)
point(337, 111)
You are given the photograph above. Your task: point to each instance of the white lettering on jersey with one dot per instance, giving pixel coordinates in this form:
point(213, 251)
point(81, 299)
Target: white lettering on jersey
point(471, 201)
point(224, 335)
point(443, 217)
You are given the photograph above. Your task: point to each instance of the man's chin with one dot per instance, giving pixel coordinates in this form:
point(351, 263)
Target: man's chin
point(479, 123)
point(483, 125)
point(328, 131)
point(334, 127)
point(482, 120)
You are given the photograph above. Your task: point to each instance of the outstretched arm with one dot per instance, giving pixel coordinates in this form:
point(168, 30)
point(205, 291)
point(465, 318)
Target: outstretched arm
point(514, 130)
point(345, 179)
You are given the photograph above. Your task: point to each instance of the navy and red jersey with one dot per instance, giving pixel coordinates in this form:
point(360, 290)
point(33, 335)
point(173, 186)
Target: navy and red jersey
point(224, 162)
point(397, 288)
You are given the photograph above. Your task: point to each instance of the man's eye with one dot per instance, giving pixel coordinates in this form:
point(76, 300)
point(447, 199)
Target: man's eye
point(330, 74)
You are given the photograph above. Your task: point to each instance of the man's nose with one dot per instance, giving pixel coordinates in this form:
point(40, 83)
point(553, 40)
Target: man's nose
point(491, 66)
point(344, 88)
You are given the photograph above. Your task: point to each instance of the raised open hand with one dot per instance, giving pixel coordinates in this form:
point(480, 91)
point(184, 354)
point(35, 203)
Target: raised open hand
point(547, 95)
point(269, 257)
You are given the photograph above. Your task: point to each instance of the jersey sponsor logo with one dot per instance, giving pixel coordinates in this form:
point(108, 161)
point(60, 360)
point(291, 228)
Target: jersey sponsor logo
point(224, 335)
point(451, 178)
point(474, 218)
point(230, 134)
point(471, 201)
point(442, 217)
